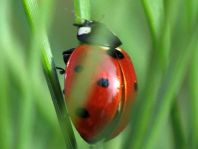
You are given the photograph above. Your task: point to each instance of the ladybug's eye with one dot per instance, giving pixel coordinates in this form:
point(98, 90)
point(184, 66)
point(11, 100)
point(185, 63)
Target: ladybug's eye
point(84, 30)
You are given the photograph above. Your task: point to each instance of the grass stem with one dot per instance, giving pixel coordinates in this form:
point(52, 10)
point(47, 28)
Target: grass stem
point(179, 137)
point(49, 69)
point(193, 110)
point(82, 10)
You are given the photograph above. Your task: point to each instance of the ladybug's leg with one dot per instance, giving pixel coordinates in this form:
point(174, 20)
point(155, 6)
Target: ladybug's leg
point(66, 54)
point(61, 70)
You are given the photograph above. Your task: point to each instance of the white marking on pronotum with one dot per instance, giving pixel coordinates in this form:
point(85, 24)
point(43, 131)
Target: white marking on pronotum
point(84, 30)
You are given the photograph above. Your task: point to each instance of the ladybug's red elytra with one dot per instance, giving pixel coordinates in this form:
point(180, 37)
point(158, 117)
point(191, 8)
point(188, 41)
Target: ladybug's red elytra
point(100, 83)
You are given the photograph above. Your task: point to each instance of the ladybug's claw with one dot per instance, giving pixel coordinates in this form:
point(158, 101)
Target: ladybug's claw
point(61, 70)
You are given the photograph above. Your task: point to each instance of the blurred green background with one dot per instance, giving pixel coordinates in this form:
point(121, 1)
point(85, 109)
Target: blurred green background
point(161, 36)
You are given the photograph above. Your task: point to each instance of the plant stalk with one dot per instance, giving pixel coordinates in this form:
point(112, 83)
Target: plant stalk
point(82, 10)
point(32, 11)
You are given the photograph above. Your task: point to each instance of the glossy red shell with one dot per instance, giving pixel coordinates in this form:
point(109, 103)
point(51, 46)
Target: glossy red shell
point(97, 87)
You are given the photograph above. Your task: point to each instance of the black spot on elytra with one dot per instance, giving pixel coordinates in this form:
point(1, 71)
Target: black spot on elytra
point(135, 86)
point(78, 68)
point(115, 53)
point(103, 82)
point(82, 113)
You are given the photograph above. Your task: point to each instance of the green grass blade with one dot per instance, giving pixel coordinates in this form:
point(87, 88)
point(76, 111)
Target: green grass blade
point(155, 14)
point(82, 10)
point(26, 112)
point(146, 99)
point(193, 81)
point(179, 137)
point(167, 92)
point(57, 96)
point(193, 88)
point(5, 124)
point(49, 68)
point(21, 82)
point(5, 127)
point(155, 100)
point(8, 49)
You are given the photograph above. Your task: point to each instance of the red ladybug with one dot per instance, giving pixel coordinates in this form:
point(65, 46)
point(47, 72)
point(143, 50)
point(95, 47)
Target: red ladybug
point(100, 83)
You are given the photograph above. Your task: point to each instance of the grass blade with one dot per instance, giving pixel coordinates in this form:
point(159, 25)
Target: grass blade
point(166, 92)
point(143, 106)
point(179, 137)
point(9, 47)
point(193, 126)
point(155, 100)
point(5, 127)
point(49, 68)
point(57, 96)
point(82, 10)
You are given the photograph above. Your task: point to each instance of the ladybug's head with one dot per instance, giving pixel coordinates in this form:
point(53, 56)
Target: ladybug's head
point(93, 32)
point(85, 28)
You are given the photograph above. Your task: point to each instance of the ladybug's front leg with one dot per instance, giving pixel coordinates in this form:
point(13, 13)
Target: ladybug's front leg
point(66, 55)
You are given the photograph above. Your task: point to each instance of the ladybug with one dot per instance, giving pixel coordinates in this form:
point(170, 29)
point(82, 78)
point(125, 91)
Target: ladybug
point(100, 83)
